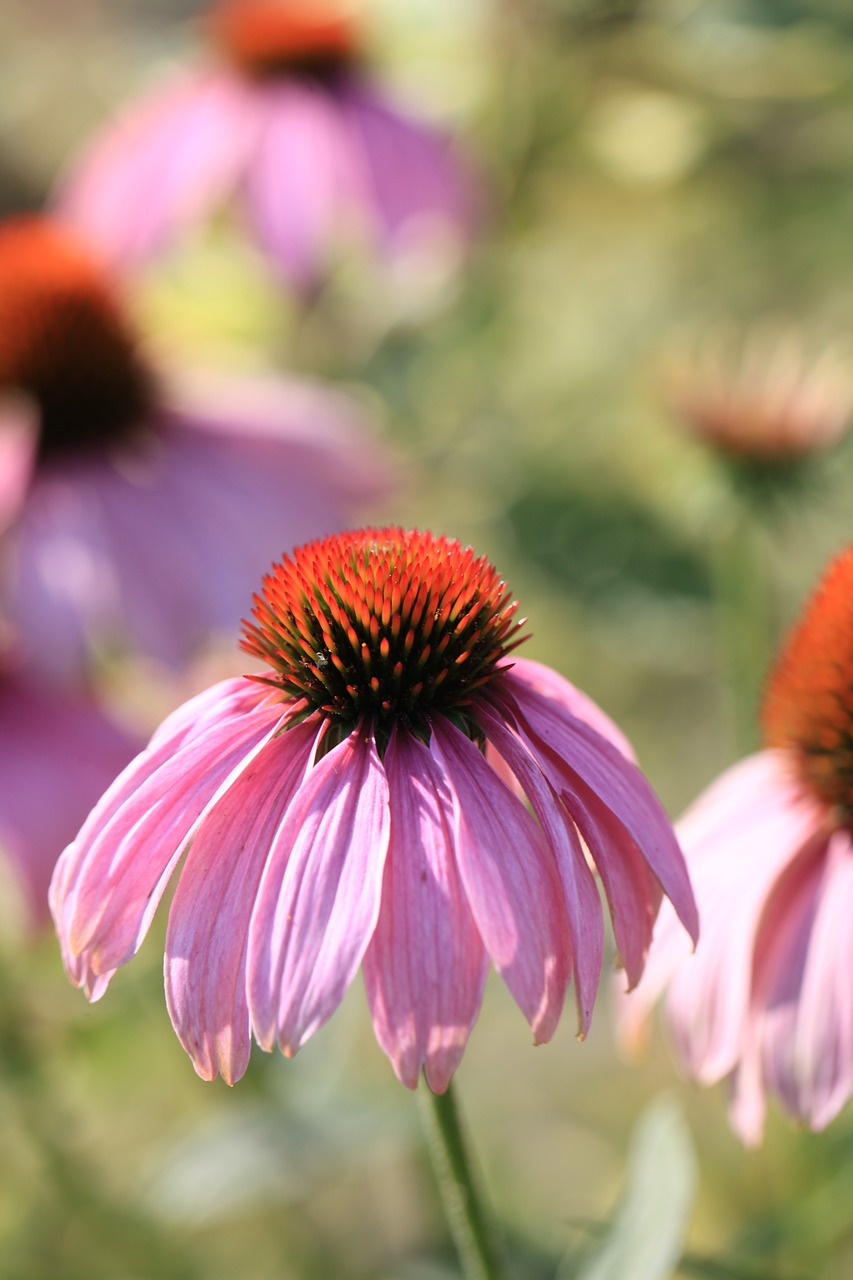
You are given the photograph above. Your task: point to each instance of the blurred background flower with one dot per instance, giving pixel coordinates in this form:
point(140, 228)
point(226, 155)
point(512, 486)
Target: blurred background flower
point(288, 122)
point(766, 1003)
point(154, 501)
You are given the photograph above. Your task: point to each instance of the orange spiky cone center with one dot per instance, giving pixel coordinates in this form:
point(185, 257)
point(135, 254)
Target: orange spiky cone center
point(808, 706)
point(383, 625)
point(65, 342)
point(262, 37)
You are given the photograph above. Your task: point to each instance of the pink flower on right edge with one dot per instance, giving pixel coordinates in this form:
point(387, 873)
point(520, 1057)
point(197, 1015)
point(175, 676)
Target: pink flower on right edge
point(767, 1002)
point(345, 809)
point(288, 124)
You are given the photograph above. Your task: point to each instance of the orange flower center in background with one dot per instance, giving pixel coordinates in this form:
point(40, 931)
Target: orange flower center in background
point(65, 342)
point(264, 36)
point(808, 706)
point(383, 624)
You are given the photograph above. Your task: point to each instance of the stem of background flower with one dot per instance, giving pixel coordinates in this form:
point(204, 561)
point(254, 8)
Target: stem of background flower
point(474, 1236)
point(746, 622)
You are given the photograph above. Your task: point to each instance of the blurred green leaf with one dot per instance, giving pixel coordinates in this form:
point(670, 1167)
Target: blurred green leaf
point(646, 1238)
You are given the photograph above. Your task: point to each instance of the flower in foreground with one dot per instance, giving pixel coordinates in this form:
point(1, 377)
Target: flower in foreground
point(287, 123)
point(146, 508)
point(766, 1003)
point(339, 811)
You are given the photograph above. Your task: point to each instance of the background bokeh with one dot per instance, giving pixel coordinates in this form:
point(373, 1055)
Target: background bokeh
point(651, 171)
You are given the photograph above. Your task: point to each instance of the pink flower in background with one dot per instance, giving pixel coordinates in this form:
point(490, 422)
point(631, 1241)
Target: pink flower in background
point(58, 751)
point(147, 509)
point(289, 125)
point(767, 1002)
point(340, 811)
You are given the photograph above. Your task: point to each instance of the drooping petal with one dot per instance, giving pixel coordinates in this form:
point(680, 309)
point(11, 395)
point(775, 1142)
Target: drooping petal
point(425, 967)
point(738, 837)
point(165, 164)
point(109, 880)
point(417, 181)
point(583, 905)
point(319, 896)
point(216, 892)
point(802, 1008)
point(578, 760)
point(303, 187)
point(549, 683)
point(511, 881)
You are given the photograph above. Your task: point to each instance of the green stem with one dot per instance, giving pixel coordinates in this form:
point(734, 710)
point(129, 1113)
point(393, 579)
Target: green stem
point(472, 1231)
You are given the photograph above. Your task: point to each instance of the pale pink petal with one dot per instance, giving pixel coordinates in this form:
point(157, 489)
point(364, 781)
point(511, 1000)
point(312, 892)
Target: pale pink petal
point(216, 892)
point(511, 881)
point(583, 905)
point(58, 753)
point(802, 1002)
point(319, 897)
point(426, 965)
point(578, 760)
point(549, 683)
point(303, 188)
point(160, 167)
point(109, 881)
point(734, 861)
point(18, 448)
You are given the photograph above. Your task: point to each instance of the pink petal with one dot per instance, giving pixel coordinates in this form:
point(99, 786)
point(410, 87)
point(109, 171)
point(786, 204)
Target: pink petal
point(425, 967)
point(303, 188)
point(583, 904)
point(511, 880)
point(18, 448)
point(578, 760)
point(737, 837)
point(415, 176)
point(549, 683)
point(210, 912)
point(802, 1004)
point(160, 167)
point(58, 752)
point(319, 897)
point(109, 880)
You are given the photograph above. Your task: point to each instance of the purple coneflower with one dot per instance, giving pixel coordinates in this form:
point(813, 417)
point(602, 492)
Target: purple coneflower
point(286, 122)
point(766, 1002)
point(148, 508)
point(342, 811)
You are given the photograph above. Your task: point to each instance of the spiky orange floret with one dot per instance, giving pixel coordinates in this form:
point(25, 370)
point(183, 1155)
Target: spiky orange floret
point(64, 339)
point(263, 36)
point(383, 624)
point(808, 706)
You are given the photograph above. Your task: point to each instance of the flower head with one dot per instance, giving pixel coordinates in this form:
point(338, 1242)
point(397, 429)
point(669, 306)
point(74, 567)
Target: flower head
point(288, 124)
point(349, 808)
point(762, 402)
point(136, 481)
point(766, 1001)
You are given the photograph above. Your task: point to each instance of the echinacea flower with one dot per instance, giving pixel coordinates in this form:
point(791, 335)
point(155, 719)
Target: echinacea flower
point(761, 401)
point(148, 507)
point(340, 811)
point(766, 1002)
point(287, 123)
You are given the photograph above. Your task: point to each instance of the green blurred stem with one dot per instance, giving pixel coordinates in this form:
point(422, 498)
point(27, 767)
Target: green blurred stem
point(473, 1234)
point(746, 621)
